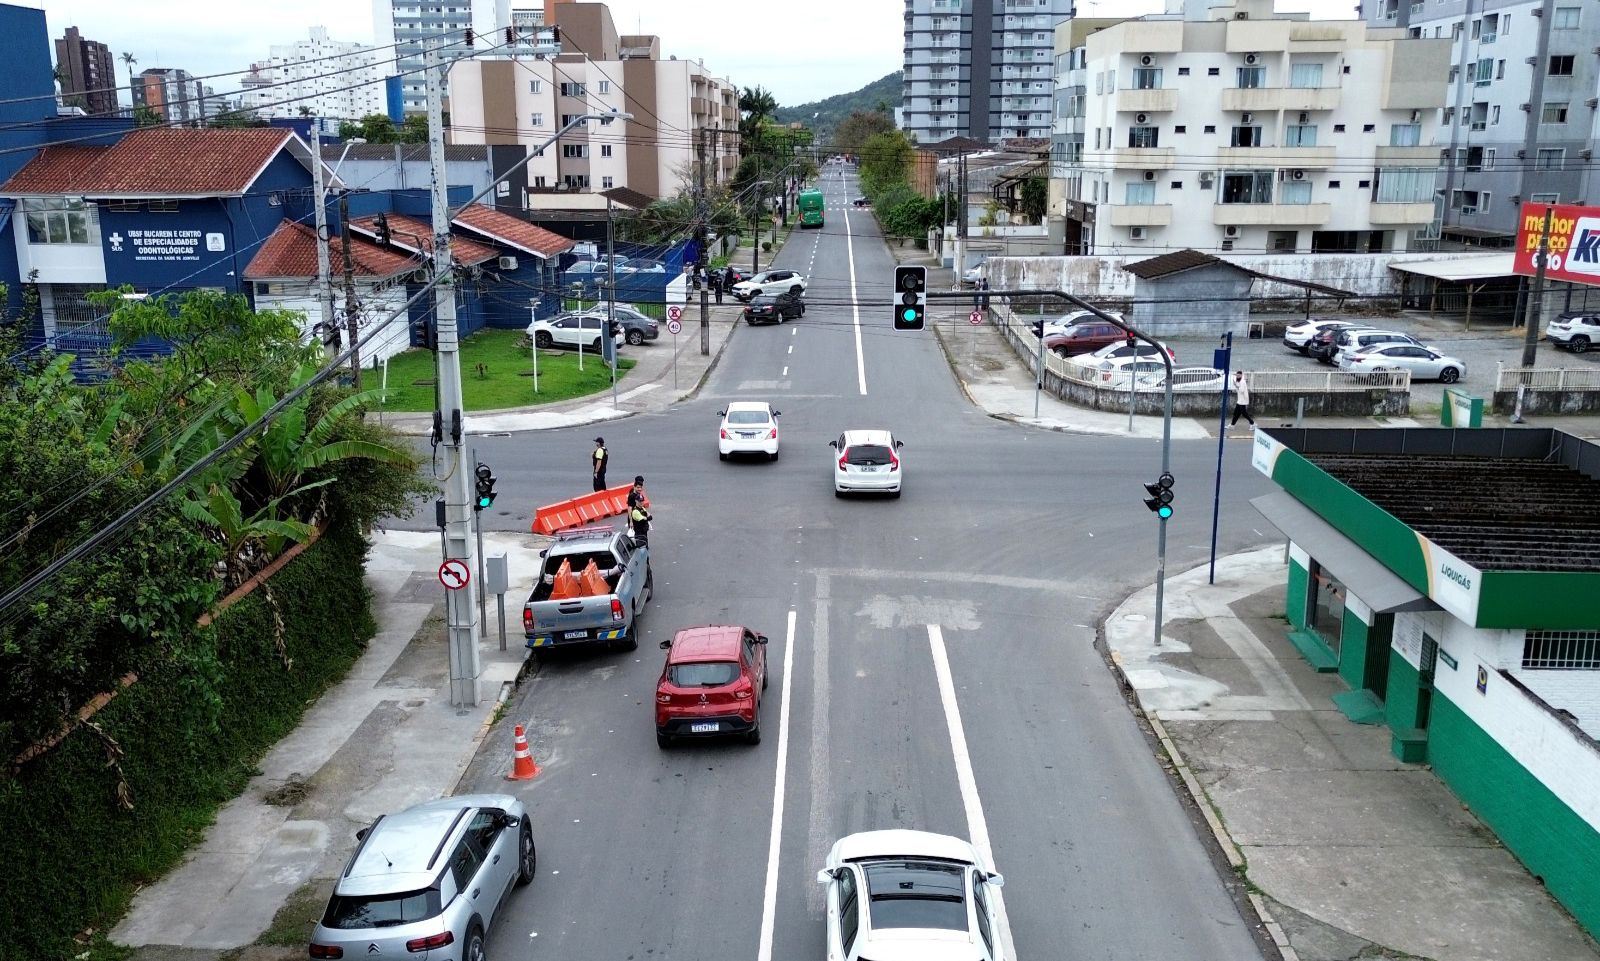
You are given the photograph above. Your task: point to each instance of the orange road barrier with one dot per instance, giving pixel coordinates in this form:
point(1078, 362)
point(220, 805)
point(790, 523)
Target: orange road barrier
point(522, 766)
point(581, 510)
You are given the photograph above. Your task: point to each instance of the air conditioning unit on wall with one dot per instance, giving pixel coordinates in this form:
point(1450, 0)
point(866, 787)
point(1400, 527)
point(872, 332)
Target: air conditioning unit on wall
point(508, 263)
point(1147, 60)
point(1149, 175)
point(1251, 58)
point(1230, 232)
point(1137, 233)
point(1141, 118)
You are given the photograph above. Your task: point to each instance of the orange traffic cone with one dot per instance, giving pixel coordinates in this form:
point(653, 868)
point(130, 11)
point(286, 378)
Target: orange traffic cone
point(522, 766)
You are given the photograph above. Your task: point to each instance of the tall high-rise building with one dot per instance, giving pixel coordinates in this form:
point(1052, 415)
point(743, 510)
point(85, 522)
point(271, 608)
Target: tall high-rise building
point(331, 78)
point(88, 73)
point(410, 25)
point(980, 68)
point(1519, 120)
point(171, 93)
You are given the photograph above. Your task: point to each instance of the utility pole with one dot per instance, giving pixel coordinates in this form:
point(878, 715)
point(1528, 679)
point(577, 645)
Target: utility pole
point(961, 219)
point(701, 234)
point(756, 211)
point(461, 614)
point(607, 339)
point(328, 326)
point(352, 310)
point(1530, 333)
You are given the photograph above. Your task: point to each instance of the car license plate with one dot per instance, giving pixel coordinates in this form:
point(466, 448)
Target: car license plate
point(573, 635)
point(704, 727)
point(749, 435)
point(870, 470)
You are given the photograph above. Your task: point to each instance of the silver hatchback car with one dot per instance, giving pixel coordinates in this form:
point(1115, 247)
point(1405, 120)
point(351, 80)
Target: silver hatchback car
point(428, 882)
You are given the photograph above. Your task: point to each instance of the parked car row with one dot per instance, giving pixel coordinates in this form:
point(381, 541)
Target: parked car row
point(1360, 347)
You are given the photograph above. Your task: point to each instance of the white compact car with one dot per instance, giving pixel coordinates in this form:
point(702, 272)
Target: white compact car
point(911, 894)
point(572, 330)
point(1576, 332)
point(867, 461)
point(769, 282)
point(748, 427)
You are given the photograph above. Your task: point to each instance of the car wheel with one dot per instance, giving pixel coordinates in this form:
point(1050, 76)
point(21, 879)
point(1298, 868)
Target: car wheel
point(635, 337)
point(895, 495)
point(629, 641)
point(753, 736)
point(1449, 375)
point(838, 493)
point(663, 741)
point(795, 289)
point(1579, 345)
point(1059, 351)
point(473, 949)
point(649, 585)
point(802, 310)
point(595, 346)
point(763, 680)
point(542, 339)
point(773, 456)
point(527, 857)
point(721, 455)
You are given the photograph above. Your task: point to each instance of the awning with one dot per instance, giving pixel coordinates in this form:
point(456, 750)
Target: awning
point(1475, 267)
point(1377, 586)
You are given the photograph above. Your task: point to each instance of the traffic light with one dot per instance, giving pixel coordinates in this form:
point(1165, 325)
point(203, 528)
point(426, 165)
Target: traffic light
point(380, 230)
point(485, 488)
point(910, 283)
point(1160, 499)
point(422, 334)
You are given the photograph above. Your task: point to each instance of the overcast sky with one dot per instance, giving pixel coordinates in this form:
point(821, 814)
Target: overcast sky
point(800, 51)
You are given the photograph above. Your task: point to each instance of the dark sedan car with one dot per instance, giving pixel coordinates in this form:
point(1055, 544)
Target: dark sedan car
point(774, 308)
point(1083, 338)
point(1325, 343)
point(861, 202)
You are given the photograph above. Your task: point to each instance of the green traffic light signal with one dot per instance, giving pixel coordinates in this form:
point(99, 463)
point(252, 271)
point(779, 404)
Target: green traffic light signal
point(1164, 512)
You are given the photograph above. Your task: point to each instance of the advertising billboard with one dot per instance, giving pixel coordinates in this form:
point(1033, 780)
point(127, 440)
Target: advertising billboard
point(1574, 242)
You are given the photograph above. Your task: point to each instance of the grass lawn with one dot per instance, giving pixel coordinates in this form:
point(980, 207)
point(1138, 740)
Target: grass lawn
point(505, 379)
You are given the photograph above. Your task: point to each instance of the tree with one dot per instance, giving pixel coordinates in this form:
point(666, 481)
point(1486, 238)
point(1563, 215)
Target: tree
point(1035, 198)
point(378, 128)
point(756, 105)
point(860, 126)
point(235, 119)
point(885, 159)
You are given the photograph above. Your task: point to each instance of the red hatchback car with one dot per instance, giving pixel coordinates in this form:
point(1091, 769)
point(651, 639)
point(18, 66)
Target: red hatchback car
point(711, 684)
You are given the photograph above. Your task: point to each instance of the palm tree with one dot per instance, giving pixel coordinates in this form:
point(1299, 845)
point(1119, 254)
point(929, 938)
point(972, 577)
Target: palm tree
point(757, 104)
point(128, 61)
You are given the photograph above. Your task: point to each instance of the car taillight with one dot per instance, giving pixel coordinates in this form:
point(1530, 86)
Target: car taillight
point(774, 434)
point(894, 462)
point(326, 951)
point(844, 459)
point(616, 609)
point(527, 619)
point(743, 691)
point(723, 433)
point(416, 945)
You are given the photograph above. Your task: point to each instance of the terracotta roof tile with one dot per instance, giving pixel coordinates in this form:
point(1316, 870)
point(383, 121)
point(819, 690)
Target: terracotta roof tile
point(406, 232)
point(512, 231)
point(154, 162)
point(291, 251)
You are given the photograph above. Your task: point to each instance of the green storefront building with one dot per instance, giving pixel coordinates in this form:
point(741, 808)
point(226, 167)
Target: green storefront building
point(1452, 579)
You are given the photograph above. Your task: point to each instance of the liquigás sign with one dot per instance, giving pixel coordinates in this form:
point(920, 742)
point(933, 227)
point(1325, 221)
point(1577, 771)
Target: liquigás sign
point(1574, 242)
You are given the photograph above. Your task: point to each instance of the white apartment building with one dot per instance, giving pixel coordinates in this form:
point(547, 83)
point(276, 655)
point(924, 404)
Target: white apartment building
point(524, 100)
point(315, 73)
point(1223, 126)
point(409, 24)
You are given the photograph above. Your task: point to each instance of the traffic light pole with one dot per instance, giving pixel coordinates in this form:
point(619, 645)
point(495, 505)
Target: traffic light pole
point(1166, 412)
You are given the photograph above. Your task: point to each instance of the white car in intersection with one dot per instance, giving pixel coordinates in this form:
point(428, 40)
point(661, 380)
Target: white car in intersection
point(867, 461)
point(897, 894)
point(769, 282)
point(748, 427)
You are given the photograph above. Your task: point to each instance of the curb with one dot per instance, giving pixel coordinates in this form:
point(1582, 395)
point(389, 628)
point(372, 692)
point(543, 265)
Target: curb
point(506, 687)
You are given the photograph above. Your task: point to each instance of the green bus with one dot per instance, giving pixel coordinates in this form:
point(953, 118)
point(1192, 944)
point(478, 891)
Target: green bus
point(810, 208)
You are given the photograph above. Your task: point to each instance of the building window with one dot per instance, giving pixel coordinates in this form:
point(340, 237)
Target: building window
point(1300, 135)
point(1305, 76)
point(1144, 137)
point(574, 150)
point(1327, 606)
point(605, 86)
point(1405, 134)
point(1566, 18)
point(537, 120)
point(1470, 201)
point(163, 206)
point(1404, 185)
point(1210, 128)
point(58, 220)
point(1295, 192)
point(1252, 77)
point(539, 182)
point(1333, 185)
point(605, 150)
point(1139, 192)
point(1554, 111)
point(1552, 158)
point(1483, 72)
point(1494, 115)
point(1149, 78)
point(1245, 137)
point(1561, 651)
point(606, 183)
point(1183, 71)
point(1213, 71)
point(1247, 186)
point(1338, 128)
point(1546, 198)
point(1561, 66)
point(1180, 128)
point(573, 90)
point(535, 86)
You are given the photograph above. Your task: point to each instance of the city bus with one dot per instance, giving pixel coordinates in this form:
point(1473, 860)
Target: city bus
point(810, 208)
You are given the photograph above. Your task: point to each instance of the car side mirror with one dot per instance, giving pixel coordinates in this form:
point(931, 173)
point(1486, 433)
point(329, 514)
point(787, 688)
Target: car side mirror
point(834, 444)
point(777, 413)
point(361, 835)
point(722, 413)
point(899, 444)
point(761, 638)
point(544, 552)
point(665, 645)
point(824, 876)
point(509, 820)
point(995, 880)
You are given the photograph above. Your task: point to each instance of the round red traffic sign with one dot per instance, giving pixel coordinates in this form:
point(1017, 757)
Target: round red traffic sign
point(975, 318)
point(454, 574)
point(674, 327)
point(674, 312)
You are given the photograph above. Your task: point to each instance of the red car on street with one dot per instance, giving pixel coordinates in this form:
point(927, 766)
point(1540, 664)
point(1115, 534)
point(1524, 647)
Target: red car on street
point(711, 684)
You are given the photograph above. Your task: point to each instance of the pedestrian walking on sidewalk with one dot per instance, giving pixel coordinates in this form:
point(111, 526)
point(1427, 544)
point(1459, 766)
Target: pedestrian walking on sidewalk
point(600, 457)
point(1241, 400)
point(983, 294)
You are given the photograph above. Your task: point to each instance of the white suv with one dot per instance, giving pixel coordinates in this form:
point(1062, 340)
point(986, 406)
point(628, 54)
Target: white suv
point(867, 461)
point(572, 330)
point(769, 282)
point(1575, 332)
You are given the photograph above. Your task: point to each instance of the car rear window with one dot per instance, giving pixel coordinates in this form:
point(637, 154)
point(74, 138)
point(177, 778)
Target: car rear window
point(917, 894)
point(747, 417)
point(347, 912)
point(704, 673)
point(867, 455)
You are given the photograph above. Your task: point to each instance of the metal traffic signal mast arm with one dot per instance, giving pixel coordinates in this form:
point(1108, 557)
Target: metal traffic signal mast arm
point(1166, 415)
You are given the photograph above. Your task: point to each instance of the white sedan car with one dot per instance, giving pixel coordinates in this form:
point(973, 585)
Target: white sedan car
point(1185, 380)
point(1423, 362)
point(748, 427)
point(910, 894)
point(867, 461)
point(769, 282)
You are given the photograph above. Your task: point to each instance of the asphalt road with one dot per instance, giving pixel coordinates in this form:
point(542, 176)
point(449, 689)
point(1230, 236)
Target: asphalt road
point(932, 659)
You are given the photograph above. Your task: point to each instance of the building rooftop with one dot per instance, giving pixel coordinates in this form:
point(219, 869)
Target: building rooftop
point(409, 233)
point(409, 152)
point(511, 231)
point(1174, 263)
point(155, 162)
point(291, 251)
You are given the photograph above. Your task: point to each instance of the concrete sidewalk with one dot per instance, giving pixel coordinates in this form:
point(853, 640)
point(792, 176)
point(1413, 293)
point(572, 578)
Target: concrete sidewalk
point(385, 738)
point(1353, 853)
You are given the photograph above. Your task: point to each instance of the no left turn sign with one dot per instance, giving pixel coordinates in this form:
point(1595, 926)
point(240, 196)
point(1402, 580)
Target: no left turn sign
point(454, 574)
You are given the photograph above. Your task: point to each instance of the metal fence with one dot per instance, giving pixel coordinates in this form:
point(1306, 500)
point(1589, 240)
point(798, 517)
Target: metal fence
point(1547, 378)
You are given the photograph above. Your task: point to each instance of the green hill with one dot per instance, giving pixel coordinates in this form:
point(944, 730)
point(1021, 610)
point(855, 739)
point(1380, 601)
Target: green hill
point(884, 92)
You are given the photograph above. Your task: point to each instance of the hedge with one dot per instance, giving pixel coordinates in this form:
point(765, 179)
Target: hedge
point(71, 855)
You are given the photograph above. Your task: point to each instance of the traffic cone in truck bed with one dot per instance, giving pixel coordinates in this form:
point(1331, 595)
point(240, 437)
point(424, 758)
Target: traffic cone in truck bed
point(566, 585)
point(593, 584)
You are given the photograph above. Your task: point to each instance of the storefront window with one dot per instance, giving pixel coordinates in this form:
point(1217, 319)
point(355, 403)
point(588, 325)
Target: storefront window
point(1327, 606)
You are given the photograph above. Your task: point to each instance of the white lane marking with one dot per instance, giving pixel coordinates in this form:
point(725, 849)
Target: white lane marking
point(785, 372)
point(817, 840)
point(977, 827)
point(769, 901)
point(793, 331)
point(791, 349)
point(855, 307)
